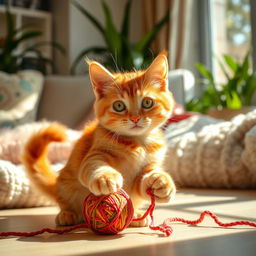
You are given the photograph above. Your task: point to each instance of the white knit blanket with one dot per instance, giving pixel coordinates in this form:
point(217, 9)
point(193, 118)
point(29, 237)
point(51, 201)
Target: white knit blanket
point(207, 153)
point(16, 190)
point(203, 152)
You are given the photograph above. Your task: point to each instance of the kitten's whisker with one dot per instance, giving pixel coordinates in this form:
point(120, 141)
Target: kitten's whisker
point(115, 63)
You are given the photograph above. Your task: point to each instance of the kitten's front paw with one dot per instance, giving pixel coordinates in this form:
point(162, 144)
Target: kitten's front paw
point(105, 181)
point(161, 185)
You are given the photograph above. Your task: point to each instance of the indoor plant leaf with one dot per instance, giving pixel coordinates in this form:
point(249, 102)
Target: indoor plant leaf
point(231, 85)
point(89, 16)
point(146, 40)
point(50, 43)
point(233, 100)
point(126, 20)
point(11, 60)
point(137, 59)
point(235, 93)
point(204, 71)
point(123, 55)
point(230, 62)
point(223, 69)
point(97, 50)
point(245, 65)
point(26, 36)
point(112, 37)
point(249, 89)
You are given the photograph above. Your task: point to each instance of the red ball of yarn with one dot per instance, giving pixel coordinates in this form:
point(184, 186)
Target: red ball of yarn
point(108, 214)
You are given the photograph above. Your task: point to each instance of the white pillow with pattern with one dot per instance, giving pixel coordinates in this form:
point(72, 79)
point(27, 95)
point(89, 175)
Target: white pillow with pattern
point(19, 96)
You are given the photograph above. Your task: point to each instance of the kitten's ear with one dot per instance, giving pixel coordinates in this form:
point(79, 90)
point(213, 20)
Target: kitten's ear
point(100, 77)
point(157, 72)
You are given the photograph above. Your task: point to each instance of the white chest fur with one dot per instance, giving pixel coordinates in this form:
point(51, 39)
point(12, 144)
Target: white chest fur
point(134, 160)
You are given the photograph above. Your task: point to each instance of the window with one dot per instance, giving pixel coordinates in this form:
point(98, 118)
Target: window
point(231, 31)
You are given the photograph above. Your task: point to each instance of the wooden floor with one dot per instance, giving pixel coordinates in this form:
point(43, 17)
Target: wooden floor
point(205, 239)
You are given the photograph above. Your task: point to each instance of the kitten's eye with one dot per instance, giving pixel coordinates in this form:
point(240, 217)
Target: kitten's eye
point(119, 106)
point(147, 103)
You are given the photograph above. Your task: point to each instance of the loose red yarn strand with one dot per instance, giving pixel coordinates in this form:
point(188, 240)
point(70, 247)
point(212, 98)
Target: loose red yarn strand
point(214, 217)
point(164, 228)
point(44, 230)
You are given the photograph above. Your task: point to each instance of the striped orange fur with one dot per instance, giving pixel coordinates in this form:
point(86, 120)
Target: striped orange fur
point(124, 147)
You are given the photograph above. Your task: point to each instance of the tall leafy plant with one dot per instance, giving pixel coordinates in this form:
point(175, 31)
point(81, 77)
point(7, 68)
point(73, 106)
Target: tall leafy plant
point(11, 55)
point(236, 92)
point(119, 53)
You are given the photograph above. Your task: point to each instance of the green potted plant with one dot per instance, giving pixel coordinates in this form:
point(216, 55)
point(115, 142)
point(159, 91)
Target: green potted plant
point(11, 55)
point(227, 99)
point(119, 53)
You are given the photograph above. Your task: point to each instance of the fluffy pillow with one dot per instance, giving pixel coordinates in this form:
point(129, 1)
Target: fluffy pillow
point(16, 190)
point(207, 153)
point(12, 141)
point(19, 95)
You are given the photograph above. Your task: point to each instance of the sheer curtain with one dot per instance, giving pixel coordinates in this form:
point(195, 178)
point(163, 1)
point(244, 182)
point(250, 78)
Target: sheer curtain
point(174, 35)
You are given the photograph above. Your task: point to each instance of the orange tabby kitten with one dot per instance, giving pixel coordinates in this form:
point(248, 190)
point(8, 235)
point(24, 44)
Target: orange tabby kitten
point(124, 148)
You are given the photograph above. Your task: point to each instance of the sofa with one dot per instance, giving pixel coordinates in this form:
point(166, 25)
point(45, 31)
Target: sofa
point(69, 99)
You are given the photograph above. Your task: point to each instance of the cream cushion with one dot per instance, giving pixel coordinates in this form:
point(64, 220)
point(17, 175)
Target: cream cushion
point(19, 96)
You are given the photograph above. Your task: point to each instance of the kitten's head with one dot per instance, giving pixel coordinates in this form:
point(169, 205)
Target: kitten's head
point(133, 103)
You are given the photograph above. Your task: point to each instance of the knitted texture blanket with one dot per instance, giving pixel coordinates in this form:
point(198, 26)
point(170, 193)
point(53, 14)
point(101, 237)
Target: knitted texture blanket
point(16, 190)
point(203, 152)
point(207, 153)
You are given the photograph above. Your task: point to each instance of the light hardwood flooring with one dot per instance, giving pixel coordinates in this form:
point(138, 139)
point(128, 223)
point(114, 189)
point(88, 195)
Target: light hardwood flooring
point(204, 239)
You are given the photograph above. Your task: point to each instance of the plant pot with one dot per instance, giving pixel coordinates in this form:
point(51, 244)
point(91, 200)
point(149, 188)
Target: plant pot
point(34, 63)
point(227, 114)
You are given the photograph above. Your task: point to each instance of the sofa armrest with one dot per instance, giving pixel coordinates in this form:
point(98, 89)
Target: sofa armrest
point(181, 84)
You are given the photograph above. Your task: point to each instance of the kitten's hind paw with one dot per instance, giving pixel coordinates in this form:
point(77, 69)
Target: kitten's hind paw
point(140, 223)
point(67, 218)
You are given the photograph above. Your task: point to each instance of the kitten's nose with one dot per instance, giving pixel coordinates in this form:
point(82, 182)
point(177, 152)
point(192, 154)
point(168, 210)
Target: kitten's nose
point(135, 119)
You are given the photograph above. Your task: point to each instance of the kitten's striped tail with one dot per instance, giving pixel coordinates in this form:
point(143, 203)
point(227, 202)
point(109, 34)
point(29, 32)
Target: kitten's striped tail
point(36, 161)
